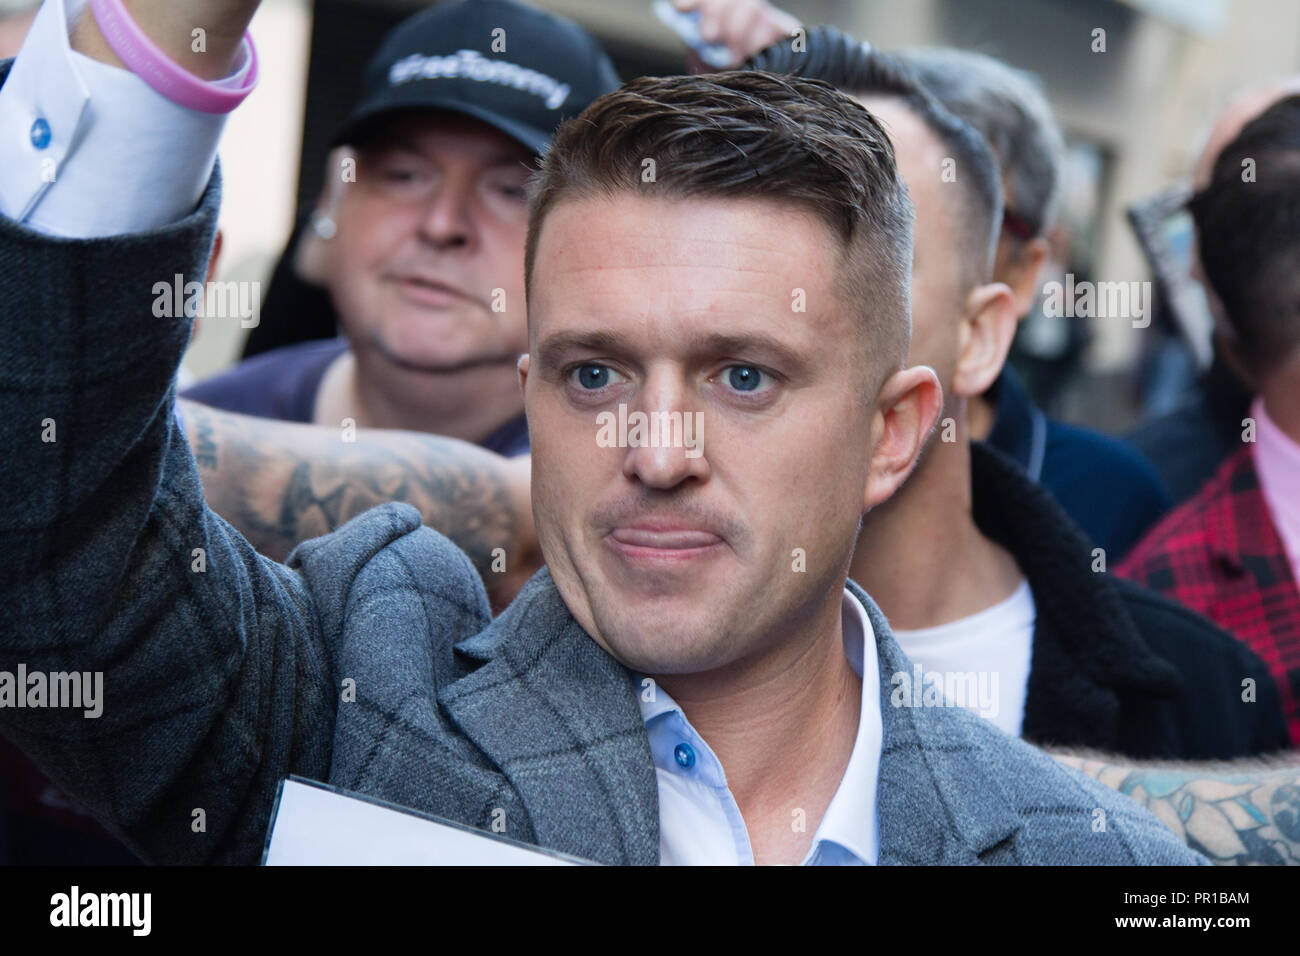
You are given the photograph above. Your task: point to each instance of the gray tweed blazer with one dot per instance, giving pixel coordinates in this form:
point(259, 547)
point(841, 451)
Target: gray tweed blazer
point(223, 675)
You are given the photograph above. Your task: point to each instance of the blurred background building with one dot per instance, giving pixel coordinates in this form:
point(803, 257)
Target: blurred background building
point(1135, 115)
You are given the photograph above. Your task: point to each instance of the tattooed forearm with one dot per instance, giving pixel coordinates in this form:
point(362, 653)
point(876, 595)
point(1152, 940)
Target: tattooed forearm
point(202, 443)
point(280, 483)
point(1235, 813)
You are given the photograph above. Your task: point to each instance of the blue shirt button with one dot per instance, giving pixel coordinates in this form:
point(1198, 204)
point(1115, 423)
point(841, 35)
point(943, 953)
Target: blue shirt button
point(685, 756)
point(41, 134)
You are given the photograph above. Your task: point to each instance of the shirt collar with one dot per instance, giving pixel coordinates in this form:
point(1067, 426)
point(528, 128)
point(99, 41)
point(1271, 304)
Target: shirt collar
point(850, 822)
point(1019, 426)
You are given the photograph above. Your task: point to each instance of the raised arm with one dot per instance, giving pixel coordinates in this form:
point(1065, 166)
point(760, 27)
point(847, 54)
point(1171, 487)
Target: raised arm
point(280, 483)
point(203, 669)
point(1237, 813)
point(171, 25)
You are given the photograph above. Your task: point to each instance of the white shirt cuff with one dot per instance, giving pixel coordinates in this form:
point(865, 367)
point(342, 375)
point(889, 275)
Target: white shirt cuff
point(125, 159)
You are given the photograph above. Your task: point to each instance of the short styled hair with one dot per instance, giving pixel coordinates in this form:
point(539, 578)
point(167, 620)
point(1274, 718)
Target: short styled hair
point(749, 135)
point(834, 57)
point(1248, 232)
point(1007, 107)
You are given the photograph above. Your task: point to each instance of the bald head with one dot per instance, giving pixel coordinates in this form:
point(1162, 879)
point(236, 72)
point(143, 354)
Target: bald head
point(1245, 106)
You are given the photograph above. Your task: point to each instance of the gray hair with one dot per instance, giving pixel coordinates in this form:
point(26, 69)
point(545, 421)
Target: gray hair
point(1007, 106)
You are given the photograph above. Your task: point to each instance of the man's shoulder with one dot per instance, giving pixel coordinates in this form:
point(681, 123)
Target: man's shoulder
point(1187, 443)
point(1109, 489)
point(279, 384)
point(385, 569)
point(1065, 438)
point(1179, 546)
point(955, 788)
point(1077, 453)
point(1065, 817)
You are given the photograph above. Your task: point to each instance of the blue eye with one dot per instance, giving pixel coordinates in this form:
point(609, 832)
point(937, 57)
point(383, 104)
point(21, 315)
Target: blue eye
point(592, 376)
point(744, 378)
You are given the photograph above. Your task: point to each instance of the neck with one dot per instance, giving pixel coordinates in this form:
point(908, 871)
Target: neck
point(927, 533)
point(469, 404)
point(783, 727)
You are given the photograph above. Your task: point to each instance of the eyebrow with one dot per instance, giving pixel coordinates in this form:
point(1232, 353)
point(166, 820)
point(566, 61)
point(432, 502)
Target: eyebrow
point(551, 350)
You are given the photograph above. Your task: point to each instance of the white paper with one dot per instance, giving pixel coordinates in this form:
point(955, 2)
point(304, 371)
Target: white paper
point(315, 826)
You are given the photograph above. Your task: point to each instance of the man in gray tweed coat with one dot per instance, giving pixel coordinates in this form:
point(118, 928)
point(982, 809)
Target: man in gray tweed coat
point(718, 272)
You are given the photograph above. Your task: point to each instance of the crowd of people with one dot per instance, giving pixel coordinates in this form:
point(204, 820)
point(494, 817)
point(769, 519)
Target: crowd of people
point(887, 598)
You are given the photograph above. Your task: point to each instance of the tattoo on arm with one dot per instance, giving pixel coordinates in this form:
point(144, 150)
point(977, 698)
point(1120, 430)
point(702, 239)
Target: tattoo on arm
point(280, 483)
point(203, 444)
point(1235, 813)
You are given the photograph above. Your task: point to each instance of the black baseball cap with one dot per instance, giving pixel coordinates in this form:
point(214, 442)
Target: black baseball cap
point(516, 68)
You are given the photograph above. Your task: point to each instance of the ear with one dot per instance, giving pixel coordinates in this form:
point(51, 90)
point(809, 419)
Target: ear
point(907, 408)
point(311, 261)
point(1019, 264)
point(522, 367)
point(987, 328)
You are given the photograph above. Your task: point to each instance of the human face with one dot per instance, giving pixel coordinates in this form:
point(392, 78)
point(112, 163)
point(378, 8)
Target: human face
point(938, 289)
point(675, 563)
point(426, 267)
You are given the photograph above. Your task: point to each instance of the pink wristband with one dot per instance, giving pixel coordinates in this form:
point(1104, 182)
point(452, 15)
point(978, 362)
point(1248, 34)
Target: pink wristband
point(143, 58)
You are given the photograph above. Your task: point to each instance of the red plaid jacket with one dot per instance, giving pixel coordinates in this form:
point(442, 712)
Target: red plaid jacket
point(1220, 555)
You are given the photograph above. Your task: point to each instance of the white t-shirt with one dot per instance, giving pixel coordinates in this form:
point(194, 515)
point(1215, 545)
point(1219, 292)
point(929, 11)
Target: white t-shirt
point(981, 661)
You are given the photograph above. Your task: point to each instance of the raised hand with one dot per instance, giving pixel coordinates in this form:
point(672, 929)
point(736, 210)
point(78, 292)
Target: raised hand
point(175, 25)
point(743, 26)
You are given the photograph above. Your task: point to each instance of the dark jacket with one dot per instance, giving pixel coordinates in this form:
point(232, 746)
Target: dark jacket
point(1109, 490)
point(1115, 667)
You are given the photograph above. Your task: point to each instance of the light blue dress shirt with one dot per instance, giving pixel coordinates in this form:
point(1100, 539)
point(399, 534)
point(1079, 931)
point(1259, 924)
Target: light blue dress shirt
point(699, 820)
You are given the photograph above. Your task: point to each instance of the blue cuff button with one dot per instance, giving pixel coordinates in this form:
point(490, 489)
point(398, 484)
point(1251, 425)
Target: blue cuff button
point(41, 134)
point(685, 756)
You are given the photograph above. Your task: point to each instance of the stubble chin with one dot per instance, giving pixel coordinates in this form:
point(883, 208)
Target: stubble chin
point(665, 636)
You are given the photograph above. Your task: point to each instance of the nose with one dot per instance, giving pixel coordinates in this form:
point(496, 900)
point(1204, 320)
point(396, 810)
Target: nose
point(665, 436)
point(448, 221)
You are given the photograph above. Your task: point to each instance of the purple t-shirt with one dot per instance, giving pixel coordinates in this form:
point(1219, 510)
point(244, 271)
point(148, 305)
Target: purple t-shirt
point(282, 384)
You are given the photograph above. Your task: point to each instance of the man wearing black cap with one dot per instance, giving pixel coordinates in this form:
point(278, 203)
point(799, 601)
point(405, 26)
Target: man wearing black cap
point(423, 247)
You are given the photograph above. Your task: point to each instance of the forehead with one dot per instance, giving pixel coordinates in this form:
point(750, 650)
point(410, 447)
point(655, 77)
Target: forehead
point(436, 132)
point(664, 270)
